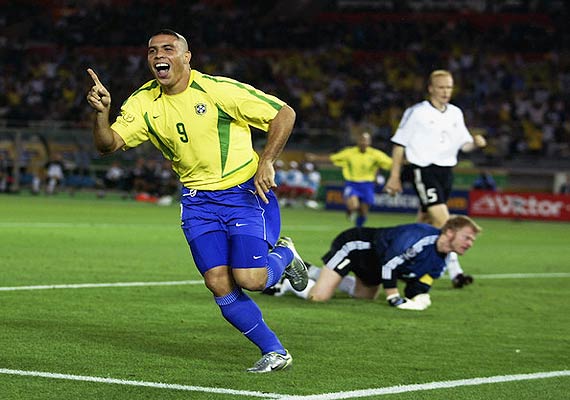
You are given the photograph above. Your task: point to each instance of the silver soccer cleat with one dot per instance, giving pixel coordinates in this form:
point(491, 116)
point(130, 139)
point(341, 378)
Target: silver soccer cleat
point(296, 272)
point(272, 362)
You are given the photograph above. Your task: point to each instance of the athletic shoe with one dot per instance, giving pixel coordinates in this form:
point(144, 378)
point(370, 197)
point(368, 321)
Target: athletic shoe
point(296, 272)
point(461, 280)
point(272, 362)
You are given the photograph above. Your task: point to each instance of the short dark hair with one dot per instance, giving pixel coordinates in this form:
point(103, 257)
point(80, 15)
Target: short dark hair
point(170, 32)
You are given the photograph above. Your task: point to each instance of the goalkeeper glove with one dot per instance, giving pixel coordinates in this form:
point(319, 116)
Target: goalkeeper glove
point(422, 298)
point(461, 280)
point(405, 304)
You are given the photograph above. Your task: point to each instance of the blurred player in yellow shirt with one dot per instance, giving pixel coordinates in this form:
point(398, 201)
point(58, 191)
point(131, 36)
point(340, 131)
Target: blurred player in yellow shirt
point(360, 165)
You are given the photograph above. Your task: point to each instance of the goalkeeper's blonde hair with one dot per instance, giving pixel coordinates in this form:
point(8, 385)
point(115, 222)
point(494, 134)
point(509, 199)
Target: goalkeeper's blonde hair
point(456, 222)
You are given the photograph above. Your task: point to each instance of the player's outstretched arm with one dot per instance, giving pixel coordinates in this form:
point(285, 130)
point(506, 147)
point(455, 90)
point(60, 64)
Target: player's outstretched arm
point(98, 96)
point(106, 140)
point(394, 182)
point(479, 142)
point(313, 157)
point(279, 130)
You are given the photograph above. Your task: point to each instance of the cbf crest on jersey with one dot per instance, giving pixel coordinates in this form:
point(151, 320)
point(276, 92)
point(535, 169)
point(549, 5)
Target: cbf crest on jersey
point(200, 108)
point(128, 117)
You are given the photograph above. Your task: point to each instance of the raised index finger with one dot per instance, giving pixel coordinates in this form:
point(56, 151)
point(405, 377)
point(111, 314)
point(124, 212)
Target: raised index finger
point(94, 77)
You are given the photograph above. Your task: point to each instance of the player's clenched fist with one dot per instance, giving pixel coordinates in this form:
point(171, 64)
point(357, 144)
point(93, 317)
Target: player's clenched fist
point(479, 141)
point(98, 97)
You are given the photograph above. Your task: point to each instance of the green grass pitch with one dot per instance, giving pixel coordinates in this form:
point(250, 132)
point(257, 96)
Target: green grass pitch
point(174, 335)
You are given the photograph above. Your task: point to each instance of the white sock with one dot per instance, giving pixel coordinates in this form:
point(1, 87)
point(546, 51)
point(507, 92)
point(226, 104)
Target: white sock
point(314, 272)
point(51, 186)
point(453, 266)
point(36, 184)
point(352, 216)
point(347, 285)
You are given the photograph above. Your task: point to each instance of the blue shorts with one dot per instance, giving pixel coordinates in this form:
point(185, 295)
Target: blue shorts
point(230, 226)
point(363, 190)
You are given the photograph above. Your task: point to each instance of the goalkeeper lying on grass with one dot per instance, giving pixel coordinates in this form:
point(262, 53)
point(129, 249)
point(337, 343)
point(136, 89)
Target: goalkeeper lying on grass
point(413, 253)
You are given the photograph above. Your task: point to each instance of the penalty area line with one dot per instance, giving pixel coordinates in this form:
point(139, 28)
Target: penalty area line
point(200, 282)
point(429, 386)
point(156, 385)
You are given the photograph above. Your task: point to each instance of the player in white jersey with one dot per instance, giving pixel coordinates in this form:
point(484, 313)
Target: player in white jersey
point(430, 135)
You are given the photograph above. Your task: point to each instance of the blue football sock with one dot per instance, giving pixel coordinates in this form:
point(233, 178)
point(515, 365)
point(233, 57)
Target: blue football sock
point(360, 220)
point(277, 261)
point(242, 312)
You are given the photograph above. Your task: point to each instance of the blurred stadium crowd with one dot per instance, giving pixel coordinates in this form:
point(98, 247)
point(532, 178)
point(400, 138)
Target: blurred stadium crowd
point(345, 66)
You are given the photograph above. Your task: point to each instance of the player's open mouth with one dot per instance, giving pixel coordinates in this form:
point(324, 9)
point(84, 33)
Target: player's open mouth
point(162, 69)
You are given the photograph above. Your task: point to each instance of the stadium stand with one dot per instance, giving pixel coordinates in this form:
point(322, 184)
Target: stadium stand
point(344, 66)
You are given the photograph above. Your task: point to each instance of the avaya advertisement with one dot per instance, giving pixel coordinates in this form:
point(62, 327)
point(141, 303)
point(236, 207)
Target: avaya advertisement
point(540, 206)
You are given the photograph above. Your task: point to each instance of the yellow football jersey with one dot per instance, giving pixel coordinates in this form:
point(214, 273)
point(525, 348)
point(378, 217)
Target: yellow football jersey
point(204, 131)
point(361, 167)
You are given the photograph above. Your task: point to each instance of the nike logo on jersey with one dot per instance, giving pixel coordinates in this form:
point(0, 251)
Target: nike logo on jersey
point(155, 116)
point(257, 257)
point(238, 224)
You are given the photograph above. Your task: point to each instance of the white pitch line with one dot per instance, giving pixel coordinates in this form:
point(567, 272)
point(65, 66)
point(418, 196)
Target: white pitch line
point(157, 385)
point(524, 276)
point(199, 282)
point(52, 225)
point(323, 396)
point(429, 386)
point(100, 285)
point(79, 225)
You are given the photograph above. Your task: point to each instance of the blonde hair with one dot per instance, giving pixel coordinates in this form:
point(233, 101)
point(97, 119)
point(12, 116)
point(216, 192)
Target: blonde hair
point(437, 73)
point(457, 222)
